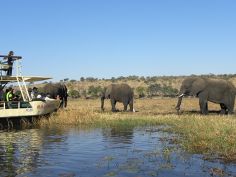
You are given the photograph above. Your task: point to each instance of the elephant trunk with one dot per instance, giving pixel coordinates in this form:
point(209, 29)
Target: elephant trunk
point(102, 102)
point(179, 102)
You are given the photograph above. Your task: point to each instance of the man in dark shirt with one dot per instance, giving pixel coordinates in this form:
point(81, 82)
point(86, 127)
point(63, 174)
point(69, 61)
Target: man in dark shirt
point(9, 62)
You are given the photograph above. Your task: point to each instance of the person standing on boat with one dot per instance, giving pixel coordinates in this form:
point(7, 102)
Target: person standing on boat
point(9, 62)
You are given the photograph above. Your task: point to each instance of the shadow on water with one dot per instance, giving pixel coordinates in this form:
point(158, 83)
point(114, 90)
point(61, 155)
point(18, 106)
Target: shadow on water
point(112, 151)
point(18, 123)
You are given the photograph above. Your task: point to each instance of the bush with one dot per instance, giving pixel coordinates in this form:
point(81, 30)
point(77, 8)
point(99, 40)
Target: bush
point(169, 91)
point(74, 93)
point(154, 89)
point(94, 91)
point(141, 91)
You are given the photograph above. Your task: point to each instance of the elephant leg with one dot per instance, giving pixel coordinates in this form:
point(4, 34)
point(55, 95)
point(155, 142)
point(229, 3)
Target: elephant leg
point(113, 105)
point(206, 107)
point(65, 102)
point(131, 106)
point(223, 109)
point(125, 106)
point(203, 104)
point(61, 103)
point(231, 105)
point(230, 109)
point(126, 103)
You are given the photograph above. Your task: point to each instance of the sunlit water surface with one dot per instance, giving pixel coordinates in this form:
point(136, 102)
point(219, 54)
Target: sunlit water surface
point(134, 152)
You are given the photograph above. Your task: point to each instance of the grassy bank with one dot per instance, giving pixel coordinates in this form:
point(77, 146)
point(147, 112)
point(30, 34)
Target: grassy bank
point(212, 135)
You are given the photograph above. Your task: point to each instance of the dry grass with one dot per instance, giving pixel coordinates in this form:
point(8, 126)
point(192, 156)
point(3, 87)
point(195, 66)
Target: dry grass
point(213, 135)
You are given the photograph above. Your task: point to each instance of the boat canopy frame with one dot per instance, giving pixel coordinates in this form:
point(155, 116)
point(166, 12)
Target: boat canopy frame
point(18, 78)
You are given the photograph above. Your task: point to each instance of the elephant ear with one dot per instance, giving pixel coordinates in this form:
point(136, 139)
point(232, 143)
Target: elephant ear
point(198, 86)
point(108, 91)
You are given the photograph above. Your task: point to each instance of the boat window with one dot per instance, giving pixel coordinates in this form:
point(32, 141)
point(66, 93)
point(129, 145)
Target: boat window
point(25, 104)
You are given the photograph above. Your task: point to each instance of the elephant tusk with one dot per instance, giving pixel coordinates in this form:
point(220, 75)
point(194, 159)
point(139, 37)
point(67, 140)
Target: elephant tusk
point(181, 95)
point(134, 110)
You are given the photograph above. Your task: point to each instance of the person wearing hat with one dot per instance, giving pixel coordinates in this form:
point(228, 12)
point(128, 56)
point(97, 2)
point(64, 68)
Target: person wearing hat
point(9, 62)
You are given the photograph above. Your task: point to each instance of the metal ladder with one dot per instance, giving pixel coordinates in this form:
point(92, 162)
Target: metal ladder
point(21, 82)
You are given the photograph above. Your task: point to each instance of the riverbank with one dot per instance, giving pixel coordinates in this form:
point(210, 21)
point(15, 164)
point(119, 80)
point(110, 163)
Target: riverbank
point(212, 135)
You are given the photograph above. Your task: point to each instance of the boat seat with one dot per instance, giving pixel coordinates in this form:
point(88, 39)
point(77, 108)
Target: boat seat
point(2, 105)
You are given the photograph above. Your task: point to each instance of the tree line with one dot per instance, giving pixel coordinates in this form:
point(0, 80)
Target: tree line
point(153, 85)
point(147, 78)
point(139, 92)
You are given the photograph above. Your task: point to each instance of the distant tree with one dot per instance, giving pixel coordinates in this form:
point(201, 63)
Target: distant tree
point(121, 78)
point(140, 91)
point(154, 89)
point(74, 94)
point(91, 79)
point(142, 78)
point(72, 80)
point(66, 79)
point(113, 79)
point(82, 79)
point(132, 77)
point(94, 91)
point(169, 91)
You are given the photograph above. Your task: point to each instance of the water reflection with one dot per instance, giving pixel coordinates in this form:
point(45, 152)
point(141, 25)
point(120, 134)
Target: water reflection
point(113, 151)
point(19, 151)
point(118, 135)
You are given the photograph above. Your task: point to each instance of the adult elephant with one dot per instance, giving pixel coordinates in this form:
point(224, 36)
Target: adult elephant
point(214, 90)
point(118, 93)
point(57, 91)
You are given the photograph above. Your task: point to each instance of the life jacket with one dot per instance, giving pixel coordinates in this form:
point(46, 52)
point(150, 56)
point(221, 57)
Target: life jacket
point(9, 96)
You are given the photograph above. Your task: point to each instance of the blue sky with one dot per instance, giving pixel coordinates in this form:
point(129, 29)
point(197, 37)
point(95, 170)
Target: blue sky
point(111, 38)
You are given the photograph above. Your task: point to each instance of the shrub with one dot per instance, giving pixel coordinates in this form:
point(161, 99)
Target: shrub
point(154, 89)
point(169, 91)
point(141, 91)
point(94, 91)
point(74, 93)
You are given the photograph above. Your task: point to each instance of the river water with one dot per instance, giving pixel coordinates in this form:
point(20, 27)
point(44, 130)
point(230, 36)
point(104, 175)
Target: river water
point(105, 152)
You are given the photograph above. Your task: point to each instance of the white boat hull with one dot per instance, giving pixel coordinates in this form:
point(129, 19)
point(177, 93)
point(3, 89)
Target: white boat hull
point(36, 108)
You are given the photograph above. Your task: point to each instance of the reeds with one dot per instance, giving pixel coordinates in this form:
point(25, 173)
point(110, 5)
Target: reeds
point(212, 135)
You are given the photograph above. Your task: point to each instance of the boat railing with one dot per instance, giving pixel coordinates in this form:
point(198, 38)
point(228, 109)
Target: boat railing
point(4, 65)
point(14, 104)
point(19, 77)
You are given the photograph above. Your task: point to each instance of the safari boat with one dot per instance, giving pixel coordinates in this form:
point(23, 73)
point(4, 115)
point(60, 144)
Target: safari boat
point(26, 106)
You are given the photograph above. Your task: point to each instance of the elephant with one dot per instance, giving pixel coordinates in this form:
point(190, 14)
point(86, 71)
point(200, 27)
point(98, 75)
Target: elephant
point(56, 91)
point(214, 90)
point(118, 93)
